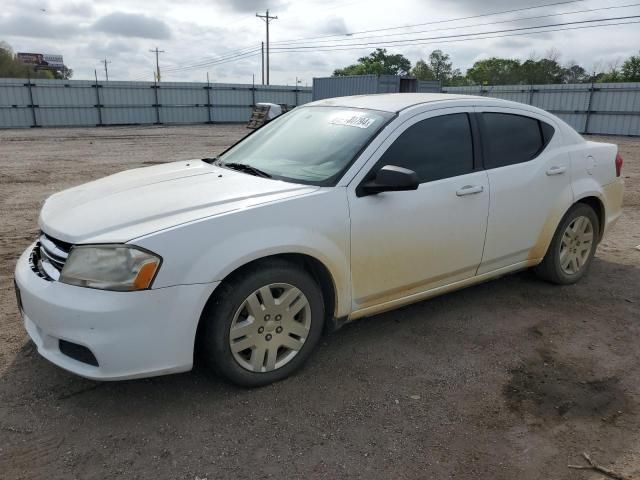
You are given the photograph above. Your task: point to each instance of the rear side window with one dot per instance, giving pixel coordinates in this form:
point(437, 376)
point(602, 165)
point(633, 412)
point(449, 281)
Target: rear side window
point(435, 148)
point(509, 139)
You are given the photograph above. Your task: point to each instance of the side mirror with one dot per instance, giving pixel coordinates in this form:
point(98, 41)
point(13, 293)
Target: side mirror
point(389, 179)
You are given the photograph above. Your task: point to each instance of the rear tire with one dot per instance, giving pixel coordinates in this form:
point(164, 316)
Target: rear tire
point(262, 324)
point(572, 248)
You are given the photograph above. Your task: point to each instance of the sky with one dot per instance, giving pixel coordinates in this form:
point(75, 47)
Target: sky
point(193, 33)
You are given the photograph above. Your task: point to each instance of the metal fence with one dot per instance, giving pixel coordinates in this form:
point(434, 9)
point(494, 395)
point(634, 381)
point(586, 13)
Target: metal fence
point(61, 103)
point(600, 108)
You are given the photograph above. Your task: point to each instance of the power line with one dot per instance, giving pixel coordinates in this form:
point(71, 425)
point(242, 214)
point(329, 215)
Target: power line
point(267, 20)
point(236, 54)
point(214, 62)
point(244, 57)
point(207, 59)
point(413, 41)
point(483, 24)
point(473, 38)
point(433, 22)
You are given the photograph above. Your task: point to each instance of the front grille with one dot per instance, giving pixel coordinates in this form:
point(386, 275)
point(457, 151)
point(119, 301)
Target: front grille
point(49, 256)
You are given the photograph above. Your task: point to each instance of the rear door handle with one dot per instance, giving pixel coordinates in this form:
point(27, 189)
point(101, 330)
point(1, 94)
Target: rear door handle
point(556, 171)
point(469, 190)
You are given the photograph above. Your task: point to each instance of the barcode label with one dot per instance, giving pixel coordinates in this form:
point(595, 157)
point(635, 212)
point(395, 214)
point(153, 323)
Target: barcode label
point(351, 120)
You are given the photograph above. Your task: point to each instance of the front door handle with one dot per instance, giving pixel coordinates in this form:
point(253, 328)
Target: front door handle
point(469, 190)
point(556, 171)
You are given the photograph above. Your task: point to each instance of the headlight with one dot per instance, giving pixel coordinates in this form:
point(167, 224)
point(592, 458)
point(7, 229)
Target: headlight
point(110, 267)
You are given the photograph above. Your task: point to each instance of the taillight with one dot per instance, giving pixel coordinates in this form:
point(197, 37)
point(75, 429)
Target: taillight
point(619, 163)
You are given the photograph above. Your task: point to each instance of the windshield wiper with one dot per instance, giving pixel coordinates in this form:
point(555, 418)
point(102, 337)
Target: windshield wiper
point(242, 167)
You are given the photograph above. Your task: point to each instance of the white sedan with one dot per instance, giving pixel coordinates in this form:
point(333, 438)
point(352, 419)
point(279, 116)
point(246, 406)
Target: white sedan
point(337, 210)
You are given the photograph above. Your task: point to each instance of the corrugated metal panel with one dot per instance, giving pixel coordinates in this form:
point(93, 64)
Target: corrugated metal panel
point(13, 92)
point(387, 84)
point(429, 86)
point(602, 108)
point(330, 87)
point(128, 115)
point(67, 116)
point(83, 102)
point(611, 108)
point(19, 117)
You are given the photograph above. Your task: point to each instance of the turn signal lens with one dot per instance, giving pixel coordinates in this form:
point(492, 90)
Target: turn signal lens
point(145, 275)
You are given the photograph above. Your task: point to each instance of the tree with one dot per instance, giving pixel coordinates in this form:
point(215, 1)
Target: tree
point(494, 71)
point(543, 71)
point(574, 73)
point(422, 71)
point(438, 68)
point(631, 69)
point(378, 62)
point(612, 74)
point(11, 67)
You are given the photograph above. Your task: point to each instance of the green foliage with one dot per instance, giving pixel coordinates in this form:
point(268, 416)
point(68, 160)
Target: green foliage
point(495, 71)
point(439, 67)
point(378, 62)
point(492, 71)
point(422, 71)
point(11, 67)
point(631, 69)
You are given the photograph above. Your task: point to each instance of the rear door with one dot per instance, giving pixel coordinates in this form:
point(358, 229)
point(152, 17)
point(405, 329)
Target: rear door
point(529, 174)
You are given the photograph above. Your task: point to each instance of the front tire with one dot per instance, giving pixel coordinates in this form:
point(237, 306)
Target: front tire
point(572, 247)
point(263, 324)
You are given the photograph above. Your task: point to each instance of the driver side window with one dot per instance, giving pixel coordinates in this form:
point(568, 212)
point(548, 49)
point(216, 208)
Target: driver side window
point(435, 148)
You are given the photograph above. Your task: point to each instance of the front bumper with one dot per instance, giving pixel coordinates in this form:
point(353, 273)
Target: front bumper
point(130, 334)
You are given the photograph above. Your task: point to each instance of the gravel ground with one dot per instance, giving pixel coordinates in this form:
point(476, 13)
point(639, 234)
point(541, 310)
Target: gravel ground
point(511, 379)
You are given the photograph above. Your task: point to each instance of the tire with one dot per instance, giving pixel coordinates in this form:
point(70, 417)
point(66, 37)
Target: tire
point(244, 312)
point(579, 224)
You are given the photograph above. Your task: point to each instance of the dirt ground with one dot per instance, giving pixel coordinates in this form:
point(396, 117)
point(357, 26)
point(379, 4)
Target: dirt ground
point(512, 379)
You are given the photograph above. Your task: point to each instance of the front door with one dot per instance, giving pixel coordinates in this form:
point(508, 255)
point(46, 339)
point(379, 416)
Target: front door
point(408, 242)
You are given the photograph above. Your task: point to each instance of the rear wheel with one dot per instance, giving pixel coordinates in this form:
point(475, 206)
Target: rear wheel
point(261, 326)
point(572, 247)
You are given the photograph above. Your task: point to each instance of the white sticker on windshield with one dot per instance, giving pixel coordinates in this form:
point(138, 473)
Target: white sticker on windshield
point(352, 120)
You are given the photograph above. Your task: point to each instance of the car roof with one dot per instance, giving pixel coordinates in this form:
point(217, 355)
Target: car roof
point(395, 102)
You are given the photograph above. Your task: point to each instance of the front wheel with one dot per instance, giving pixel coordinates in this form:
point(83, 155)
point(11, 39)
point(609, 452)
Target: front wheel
point(261, 326)
point(572, 247)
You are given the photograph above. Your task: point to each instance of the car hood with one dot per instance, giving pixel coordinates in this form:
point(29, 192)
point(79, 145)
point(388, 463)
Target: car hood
point(137, 202)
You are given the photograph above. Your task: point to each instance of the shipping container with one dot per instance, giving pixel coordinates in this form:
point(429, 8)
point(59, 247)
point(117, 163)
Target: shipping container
point(329, 87)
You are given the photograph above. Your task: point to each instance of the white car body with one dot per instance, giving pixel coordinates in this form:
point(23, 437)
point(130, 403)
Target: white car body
point(379, 251)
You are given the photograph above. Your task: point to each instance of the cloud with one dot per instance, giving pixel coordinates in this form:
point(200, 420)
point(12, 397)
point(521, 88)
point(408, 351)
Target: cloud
point(76, 9)
point(133, 25)
point(333, 25)
point(38, 27)
point(254, 5)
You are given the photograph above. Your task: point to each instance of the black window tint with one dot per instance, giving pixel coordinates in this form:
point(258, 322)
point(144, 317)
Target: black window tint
point(510, 139)
point(439, 147)
point(547, 132)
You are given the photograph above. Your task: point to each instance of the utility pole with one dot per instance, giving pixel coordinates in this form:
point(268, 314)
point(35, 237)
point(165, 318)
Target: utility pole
point(267, 19)
point(157, 62)
point(106, 70)
point(262, 51)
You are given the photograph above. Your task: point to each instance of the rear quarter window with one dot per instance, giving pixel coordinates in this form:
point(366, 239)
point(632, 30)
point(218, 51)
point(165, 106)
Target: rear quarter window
point(510, 139)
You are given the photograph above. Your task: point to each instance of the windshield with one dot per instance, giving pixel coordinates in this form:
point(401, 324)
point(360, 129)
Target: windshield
point(312, 145)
